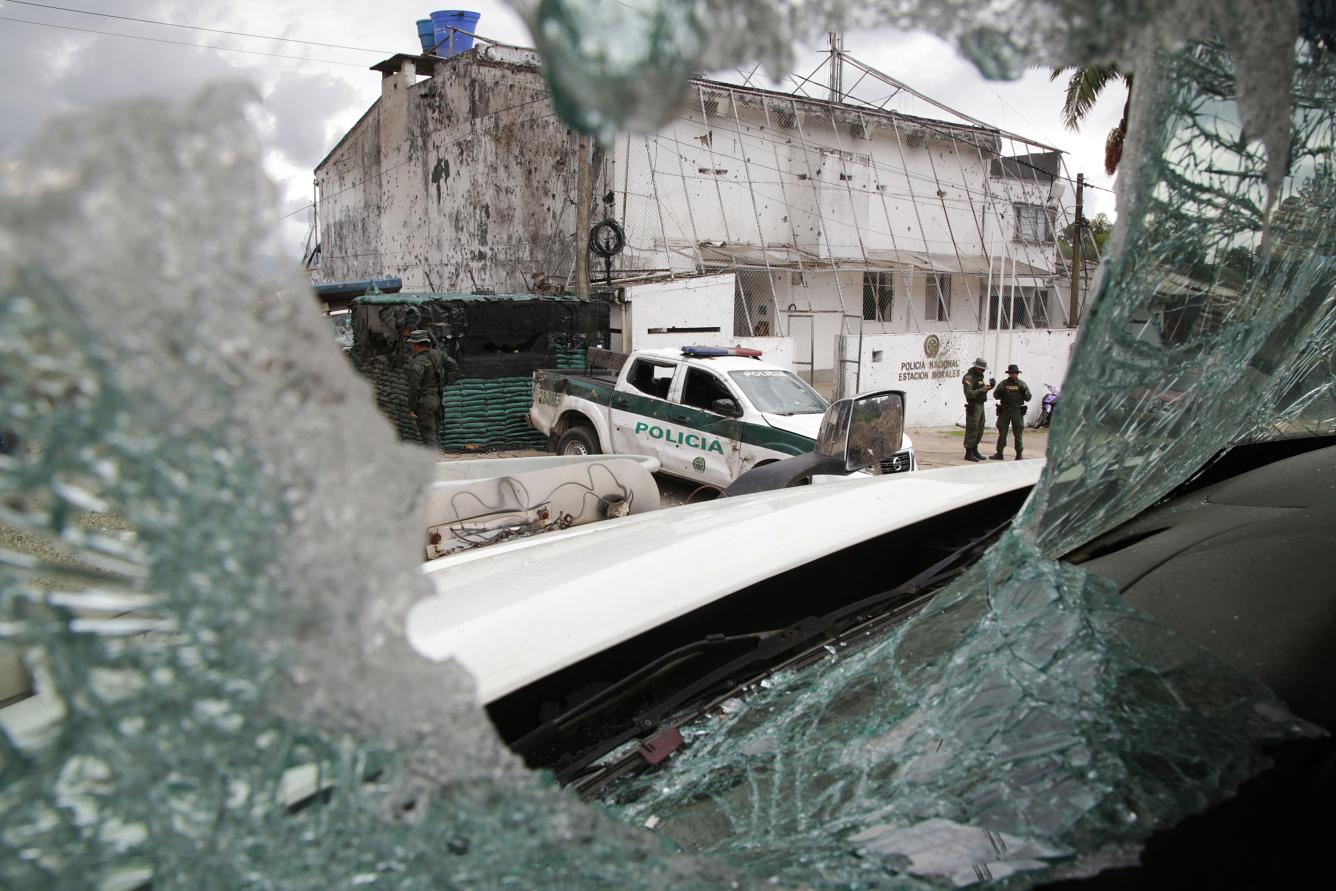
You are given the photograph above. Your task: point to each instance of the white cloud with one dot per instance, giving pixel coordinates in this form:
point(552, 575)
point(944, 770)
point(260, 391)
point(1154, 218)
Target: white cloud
point(301, 106)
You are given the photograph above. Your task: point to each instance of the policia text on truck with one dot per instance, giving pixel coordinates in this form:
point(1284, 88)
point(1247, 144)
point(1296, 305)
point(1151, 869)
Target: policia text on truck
point(708, 414)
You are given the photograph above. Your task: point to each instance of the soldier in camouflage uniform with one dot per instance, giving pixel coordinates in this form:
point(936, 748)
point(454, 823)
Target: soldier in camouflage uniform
point(1011, 396)
point(976, 396)
point(429, 370)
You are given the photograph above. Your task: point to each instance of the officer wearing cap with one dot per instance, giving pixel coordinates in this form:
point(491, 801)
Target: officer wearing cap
point(976, 396)
point(429, 370)
point(1011, 396)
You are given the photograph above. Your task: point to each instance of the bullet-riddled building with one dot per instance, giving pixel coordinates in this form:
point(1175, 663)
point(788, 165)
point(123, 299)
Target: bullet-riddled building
point(837, 236)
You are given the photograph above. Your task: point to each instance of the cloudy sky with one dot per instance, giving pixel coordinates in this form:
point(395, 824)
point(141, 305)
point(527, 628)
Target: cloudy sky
point(67, 56)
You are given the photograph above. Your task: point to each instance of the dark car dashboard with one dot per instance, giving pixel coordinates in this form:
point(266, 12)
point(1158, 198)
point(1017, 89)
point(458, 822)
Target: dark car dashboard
point(1242, 561)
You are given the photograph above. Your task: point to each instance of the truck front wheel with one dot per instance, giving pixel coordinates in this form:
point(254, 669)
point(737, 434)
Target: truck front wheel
point(578, 441)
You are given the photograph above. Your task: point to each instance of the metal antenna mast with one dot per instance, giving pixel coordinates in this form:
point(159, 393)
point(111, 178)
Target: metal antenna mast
point(836, 66)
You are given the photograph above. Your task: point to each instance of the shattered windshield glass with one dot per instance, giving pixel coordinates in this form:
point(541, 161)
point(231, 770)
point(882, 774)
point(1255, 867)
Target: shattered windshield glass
point(1029, 720)
point(779, 392)
point(211, 538)
point(211, 620)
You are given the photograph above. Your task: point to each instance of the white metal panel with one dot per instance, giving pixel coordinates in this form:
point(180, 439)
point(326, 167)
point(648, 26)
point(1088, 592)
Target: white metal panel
point(697, 302)
point(517, 612)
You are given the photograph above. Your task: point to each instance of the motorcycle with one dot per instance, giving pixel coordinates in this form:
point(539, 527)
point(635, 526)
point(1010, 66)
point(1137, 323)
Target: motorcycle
point(1046, 406)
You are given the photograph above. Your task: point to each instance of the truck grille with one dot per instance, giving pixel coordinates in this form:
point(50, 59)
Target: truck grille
point(897, 463)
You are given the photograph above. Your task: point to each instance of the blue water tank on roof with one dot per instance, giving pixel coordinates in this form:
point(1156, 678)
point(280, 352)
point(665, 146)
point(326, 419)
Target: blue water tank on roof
point(460, 23)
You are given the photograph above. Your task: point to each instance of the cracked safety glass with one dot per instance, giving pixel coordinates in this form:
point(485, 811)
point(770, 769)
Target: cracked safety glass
point(211, 544)
point(1029, 722)
point(207, 678)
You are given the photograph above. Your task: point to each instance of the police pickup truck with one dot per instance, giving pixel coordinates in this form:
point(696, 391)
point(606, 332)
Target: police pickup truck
point(708, 414)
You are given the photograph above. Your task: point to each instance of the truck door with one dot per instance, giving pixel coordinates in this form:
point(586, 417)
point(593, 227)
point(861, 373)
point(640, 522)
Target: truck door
point(708, 448)
point(639, 410)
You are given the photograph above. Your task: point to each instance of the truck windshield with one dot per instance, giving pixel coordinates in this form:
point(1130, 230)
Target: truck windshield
point(779, 392)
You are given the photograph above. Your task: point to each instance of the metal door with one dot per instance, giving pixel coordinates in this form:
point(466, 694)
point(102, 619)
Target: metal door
point(848, 357)
point(802, 331)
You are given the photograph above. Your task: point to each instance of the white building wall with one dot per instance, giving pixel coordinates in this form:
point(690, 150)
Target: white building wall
point(350, 199)
point(652, 309)
point(932, 383)
point(697, 302)
point(741, 168)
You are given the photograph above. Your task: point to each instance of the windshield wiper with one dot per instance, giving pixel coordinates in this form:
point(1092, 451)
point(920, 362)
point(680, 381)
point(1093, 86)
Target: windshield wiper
point(545, 733)
point(798, 644)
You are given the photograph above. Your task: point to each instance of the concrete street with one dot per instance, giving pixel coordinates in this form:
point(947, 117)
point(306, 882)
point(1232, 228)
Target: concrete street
point(934, 446)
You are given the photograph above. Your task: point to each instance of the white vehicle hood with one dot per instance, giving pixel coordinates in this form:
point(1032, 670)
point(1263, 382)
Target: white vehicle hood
point(517, 612)
point(803, 425)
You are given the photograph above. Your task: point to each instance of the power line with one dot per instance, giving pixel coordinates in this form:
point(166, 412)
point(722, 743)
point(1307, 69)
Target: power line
point(127, 18)
point(221, 49)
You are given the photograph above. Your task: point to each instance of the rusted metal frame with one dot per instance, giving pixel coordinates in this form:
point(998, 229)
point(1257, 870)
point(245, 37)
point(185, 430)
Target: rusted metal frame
point(658, 204)
point(756, 213)
point(709, 147)
point(976, 215)
point(802, 81)
point(849, 190)
point(784, 195)
point(946, 216)
point(913, 200)
point(900, 86)
point(691, 216)
point(816, 194)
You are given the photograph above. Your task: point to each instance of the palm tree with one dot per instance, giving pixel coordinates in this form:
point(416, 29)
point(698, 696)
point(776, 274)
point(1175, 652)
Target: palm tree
point(1086, 83)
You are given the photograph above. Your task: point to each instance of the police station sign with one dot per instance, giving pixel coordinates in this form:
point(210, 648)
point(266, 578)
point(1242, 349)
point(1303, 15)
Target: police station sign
point(933, 368)
point(929, 366)
point(929, 370)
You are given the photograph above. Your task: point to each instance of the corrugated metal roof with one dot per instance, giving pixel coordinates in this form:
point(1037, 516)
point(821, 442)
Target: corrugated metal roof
point(1176, 285)
point(1035, 166)
point(454, 297)
point(754, 257)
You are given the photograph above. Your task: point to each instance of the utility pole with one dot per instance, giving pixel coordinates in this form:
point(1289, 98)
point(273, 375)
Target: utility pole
point(584, 197)
point(1079, 227)
point(836, 66)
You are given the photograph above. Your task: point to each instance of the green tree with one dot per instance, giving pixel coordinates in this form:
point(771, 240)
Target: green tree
point(1100, 229)
point(1083, 89)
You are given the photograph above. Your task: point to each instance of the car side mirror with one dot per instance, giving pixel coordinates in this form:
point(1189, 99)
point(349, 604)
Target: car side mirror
point(726, 407)
point(863, 430)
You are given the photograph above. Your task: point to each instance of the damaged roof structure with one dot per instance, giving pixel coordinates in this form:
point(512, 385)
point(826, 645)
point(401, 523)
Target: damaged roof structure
point(859, 218)
point(462, 175)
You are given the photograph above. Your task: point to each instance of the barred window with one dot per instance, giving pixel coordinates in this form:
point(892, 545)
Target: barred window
point(1032, 223)
point(937, 299)
point(878, 296)
point(1039, 308)
point(1022, 307)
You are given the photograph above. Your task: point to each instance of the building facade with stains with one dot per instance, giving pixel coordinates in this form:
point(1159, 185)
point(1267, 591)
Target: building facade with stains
point(838, 221)
point(460, 177)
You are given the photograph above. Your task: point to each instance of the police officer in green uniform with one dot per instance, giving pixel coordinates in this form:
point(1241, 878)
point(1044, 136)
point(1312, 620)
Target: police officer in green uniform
point(1011, 396)
point(429, 370)
point(976, 396)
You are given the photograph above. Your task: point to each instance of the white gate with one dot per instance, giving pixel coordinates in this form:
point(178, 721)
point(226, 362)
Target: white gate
point(802, 331)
